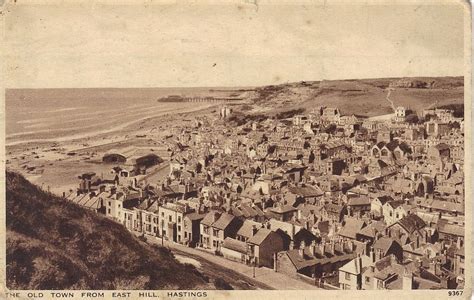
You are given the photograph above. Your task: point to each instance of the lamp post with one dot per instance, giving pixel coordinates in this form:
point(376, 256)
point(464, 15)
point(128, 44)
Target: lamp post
point(254, 263)
point(162, 233)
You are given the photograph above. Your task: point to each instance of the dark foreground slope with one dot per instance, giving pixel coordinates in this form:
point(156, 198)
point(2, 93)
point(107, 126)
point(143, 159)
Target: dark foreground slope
point(54, 244)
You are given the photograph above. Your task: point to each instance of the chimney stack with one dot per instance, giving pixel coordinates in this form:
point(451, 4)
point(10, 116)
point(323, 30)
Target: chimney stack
point(215, 216)
point(350, 246)
point(332, 247)
point(254, 230)
point(302, 244)
point(312, 248)
point(301, 251)
point(372, 254)
point(321, 247)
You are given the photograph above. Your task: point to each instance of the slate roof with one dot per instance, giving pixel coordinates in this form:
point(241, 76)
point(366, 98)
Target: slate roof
point(395, 204)
point(358, 201)
point(224, 221)
point(208, 219)
point(282, 209)
point(357, 265)
point(195, 216)
point(307, 260)
point(235, 245)
point(333, 208)
point(411, 223)
point(384, 199)
point(451, 229)
point(384, 244)
point(247, 228)
point(351, 228)
point(307, 191)
point(250, 211)
point(260, 236)
point(447, 206)
point(372, 229)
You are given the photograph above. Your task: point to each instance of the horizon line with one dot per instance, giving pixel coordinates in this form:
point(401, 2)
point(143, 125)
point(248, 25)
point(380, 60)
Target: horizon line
point(222, 86)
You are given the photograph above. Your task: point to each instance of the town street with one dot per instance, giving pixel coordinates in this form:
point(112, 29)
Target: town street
point(263, 275)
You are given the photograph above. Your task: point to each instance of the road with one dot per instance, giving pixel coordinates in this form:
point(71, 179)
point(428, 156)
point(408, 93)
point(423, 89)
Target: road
point(265, 278)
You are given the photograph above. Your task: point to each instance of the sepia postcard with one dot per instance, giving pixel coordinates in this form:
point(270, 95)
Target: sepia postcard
point(314, 149)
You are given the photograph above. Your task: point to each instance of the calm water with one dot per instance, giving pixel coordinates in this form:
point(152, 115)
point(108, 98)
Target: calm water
point(42, 113)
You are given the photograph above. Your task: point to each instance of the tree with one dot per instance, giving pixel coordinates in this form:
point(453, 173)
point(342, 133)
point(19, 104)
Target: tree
point(412, 119)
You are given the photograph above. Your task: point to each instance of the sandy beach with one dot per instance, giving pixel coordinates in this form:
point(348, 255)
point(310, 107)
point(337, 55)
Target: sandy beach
point(53, 152)
point(113, 126)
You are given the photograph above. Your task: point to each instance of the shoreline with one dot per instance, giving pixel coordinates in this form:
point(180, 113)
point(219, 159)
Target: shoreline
point(124, 126)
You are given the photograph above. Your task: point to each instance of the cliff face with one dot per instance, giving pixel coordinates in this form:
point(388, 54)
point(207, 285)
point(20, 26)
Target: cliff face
point(55, 244)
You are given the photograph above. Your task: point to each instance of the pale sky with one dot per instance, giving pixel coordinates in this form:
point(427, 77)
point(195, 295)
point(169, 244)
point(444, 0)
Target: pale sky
point(227, 45)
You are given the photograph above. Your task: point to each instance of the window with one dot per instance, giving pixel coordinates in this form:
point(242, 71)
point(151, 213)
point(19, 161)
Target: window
point(162, 214)
point(179, 228)
point(110, 203)
point(170, 219)
point(119, 205)
point(108, 211)
point(179, 219)
point(348, 276)
point(391, 214)
point(215, 232)
point(367, 279)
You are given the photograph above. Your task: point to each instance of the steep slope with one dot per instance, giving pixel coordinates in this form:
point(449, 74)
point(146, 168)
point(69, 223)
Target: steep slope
point(55, 244)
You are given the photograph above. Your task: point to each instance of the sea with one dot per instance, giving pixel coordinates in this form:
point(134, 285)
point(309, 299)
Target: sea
point(37, 114)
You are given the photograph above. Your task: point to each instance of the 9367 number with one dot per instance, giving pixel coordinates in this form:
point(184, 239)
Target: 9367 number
point(455, 293)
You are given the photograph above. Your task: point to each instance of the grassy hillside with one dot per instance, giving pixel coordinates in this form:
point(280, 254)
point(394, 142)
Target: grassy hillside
point(365, 97)
point(55, 244)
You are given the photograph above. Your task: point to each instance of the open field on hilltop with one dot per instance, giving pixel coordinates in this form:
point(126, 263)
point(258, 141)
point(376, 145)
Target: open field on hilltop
point(366, 97)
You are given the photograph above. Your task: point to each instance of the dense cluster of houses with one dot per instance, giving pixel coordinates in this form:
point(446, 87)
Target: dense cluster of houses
point(338, 200)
